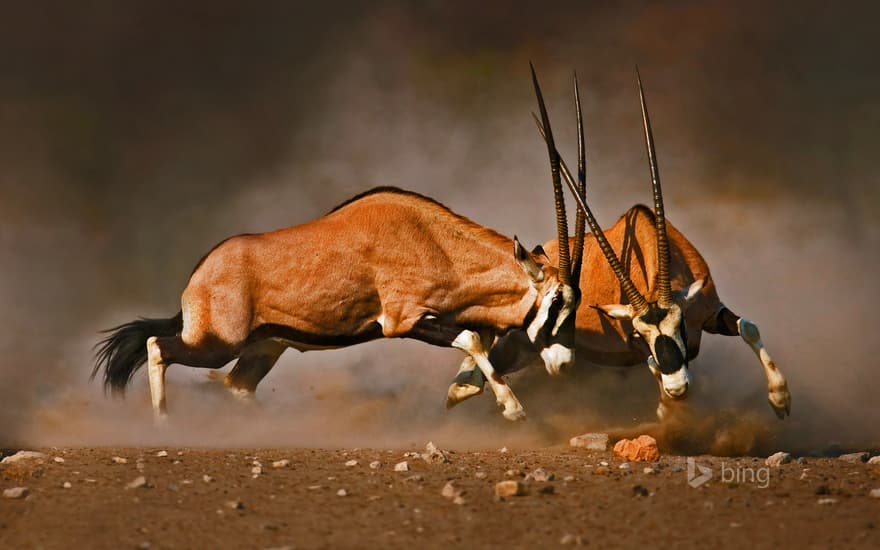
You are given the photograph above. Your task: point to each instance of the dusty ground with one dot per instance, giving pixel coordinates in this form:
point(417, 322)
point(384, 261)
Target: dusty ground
point(298, 506)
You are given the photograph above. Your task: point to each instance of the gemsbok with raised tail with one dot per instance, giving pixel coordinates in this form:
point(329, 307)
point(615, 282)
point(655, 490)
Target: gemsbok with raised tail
point(387, 263)
point(649, 302)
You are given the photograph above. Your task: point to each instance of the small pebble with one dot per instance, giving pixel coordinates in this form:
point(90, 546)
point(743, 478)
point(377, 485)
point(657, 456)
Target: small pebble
point(568, 478)
point(67, 485)
point(375, 465)
point(120, 460)
point(509, 488)
point(401, 466)
point(207, 479)
point(162, 453)
point(16, 492)
point(854, 458)
point(624, 466)
point(827, 501)
point(649, 470)
point(341, 493)
point(481, 475)
point(236, 504)
point(283, 463)
point(136, 483)
point(351, 463)
point(58, 460)
point(875, 493)
point(777, 459)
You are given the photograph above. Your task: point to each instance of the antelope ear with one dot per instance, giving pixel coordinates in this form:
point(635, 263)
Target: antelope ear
point(690, 294)
point(621, 312)
point(527, 262)
point(538, 252)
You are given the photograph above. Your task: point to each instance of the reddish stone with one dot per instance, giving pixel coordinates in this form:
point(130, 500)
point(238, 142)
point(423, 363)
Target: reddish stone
point(643, 448)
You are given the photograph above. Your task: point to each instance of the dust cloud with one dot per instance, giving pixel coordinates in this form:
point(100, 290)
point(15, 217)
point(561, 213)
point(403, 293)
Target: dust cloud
point(135, 136)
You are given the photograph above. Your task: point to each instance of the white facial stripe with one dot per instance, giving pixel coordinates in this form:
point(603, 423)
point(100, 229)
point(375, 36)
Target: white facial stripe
point(676, 384)
point(543, 313)
point(557, 357)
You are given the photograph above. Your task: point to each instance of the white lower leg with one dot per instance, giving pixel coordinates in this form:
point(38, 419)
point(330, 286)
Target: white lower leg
point(156, 373)
point(470, 342)
point(777, 387)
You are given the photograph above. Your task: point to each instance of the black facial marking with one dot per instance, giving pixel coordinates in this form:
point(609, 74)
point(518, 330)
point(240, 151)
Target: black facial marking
point(667, 354)
point(545, 335)
point(654, 316)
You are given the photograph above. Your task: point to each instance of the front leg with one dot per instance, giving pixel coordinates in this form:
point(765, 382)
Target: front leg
point(471, 343)
point(777, 388)
point(729, 324)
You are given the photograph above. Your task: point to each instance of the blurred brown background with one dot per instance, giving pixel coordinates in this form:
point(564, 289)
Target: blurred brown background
point(136, 135)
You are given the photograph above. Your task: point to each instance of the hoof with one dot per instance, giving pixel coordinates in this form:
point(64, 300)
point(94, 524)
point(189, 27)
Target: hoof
point(459, 392)
point(514, 415)
point(780, 400)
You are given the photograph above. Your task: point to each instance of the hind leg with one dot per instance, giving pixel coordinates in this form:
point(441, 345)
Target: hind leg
point(729, 324)
point(162, 352)
point(253, 365)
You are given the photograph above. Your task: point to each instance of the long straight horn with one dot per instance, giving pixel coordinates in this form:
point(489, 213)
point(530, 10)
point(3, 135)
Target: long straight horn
point(558, 194)
point(579, 221)
point(640, 305)
point(664, 292)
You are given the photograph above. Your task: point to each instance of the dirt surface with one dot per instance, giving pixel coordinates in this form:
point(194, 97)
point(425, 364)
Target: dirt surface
point(822, 503)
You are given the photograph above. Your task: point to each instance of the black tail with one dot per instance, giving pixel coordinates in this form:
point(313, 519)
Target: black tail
point(125, 350)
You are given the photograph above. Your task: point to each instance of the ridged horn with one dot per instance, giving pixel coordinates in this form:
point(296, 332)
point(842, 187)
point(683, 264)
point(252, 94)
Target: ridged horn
point(635, 298)
point(579, 221)
point(558, 194)
point(664, 290)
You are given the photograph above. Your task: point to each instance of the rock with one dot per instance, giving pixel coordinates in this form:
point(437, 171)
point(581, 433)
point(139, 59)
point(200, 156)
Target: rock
point(375, 465)
point(875, 493)
point(603, 463)
point(571, 540)
point(513, 473)
point(160, 454)
point(778, 459)
point(649, 470)
point(459, 500)
point(481, 475)
point(283, 463)
point(23, 455)
point(15, 492)
point(236, 504)
point(541, 475)
point(207, 479)
point(415, 478)
point(855, 458)
point(624, 466)
point(401, 466)
point(450, 490)
point(58, 460)
point(502, 450)
point(137, 483)
point(341, 493)
point(433, 455)
point(315, 487)
point(826, 501)
point(411, 454)
point(119, 460)
point(351, 463)
point(509, 488)
point(591, 442)
point(874, 460)
point(256, 470)
point(568, 478)
point(643, 448)
point(67, 485)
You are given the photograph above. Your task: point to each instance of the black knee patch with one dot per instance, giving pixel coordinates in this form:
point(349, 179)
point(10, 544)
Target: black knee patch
point(724, 323)
point(472, 377)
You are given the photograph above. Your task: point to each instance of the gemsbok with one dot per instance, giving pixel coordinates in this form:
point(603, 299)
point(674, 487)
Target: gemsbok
point(387, 263)
point(651, 303)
